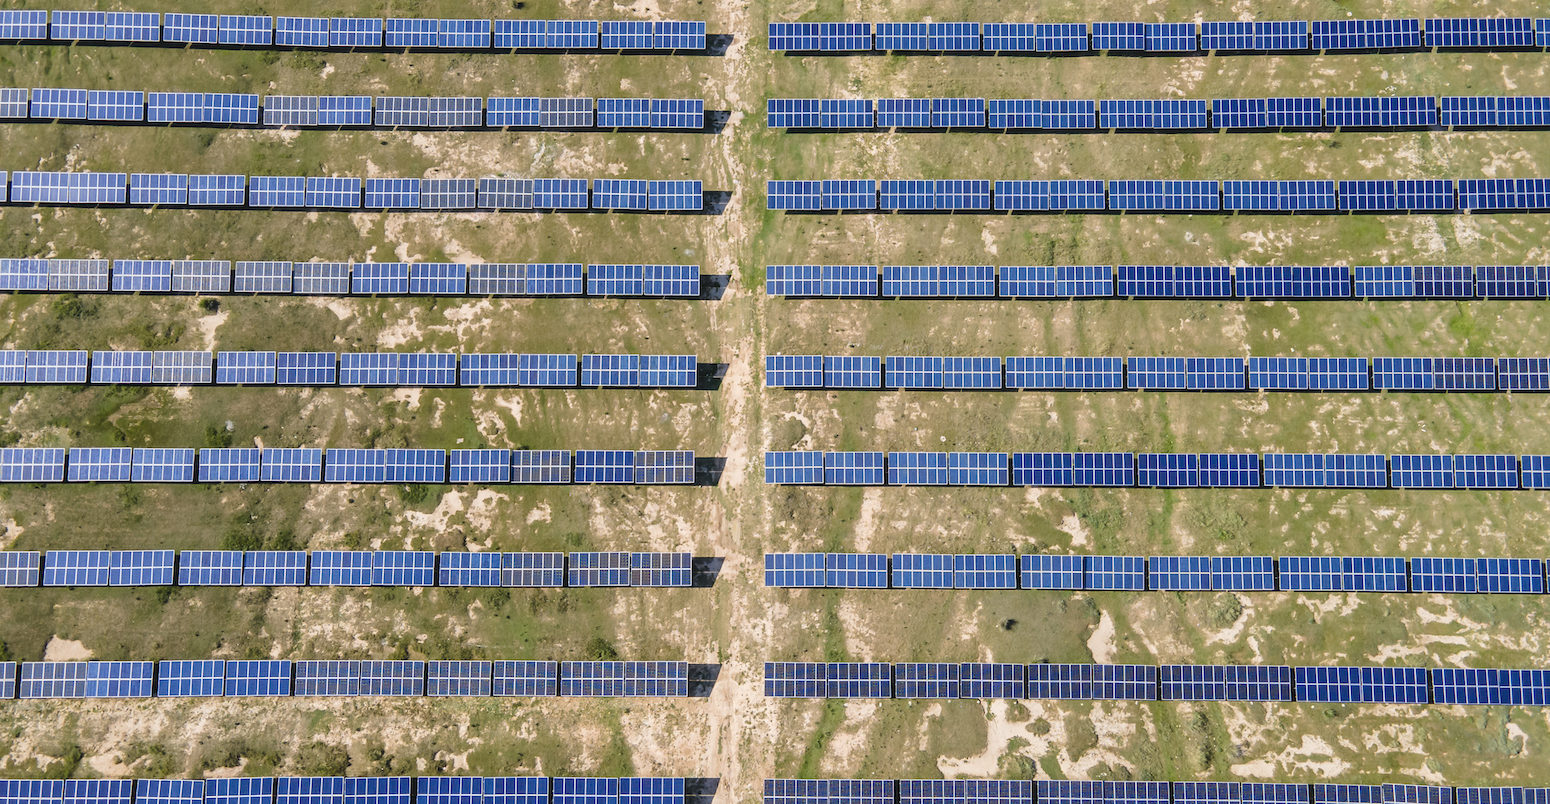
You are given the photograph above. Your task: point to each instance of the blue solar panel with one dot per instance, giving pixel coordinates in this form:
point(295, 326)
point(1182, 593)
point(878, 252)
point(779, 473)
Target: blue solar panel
point(1510, 576)
point(1511, 281)
point(1119, 36)
point(210, 568)
point(957, 112)
point(1294, 282)
point(1052, 572)
point(256, 679)
point(399, 193)
point(1065, 373)
point(118, 680)
point(922, 571)
point(991, 680)
point(794, 679)
point(524, 679)
point(403, 568)
point(978, 571)
point(1303, 470)
point(1379, 34)
point(1485, 471)
point(856, 570)
point(855, 468)
point(971, 373)
point(1381, 112)
point(1157, 373)
point(182, 679)
point(1123, 573)
point(795, 570)
point(977, 468)
point(326, 678)
point(23, 25)
point(794, 467)
point(162, 465)
point(1374, 574)
point(1495, 33)
point(793, 36)
point(99, 464)
point(32, 465)
point(917, 468)
point(1173, 281)
point(1171, 37)
point(120, 106)
point(925, 680)
point(1164, 196)
point(1243, 573)
point(277, 191)
point(274, 568)
point(395, 678)
point(848, 194)
point(340, 568)
point(793, 371)
point(1180, 573)
point(1279, 196)
point(904, 113)
point(794, 195)
point(43, 187)
point(52, 680)
point(858, 680)
point(19, 569)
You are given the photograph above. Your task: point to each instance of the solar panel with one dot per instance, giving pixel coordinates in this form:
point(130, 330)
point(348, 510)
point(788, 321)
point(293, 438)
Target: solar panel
point(1485, 471)
point(795, 679)
point(190, 679)
point(1416, 794)
point(43, 187)
point(1229, 470)
point(650, 679)
point(99, 464)
point(1115, 573)
point(793, 467)
point(1180, 573)
point(1119, 36)
point(141, 276)
point(274, 568)
point(656, 467)
point(545, 466)
point(23, 274)
point(89, 276)
point(340, 568)
point(985, 571)
point(115, 679)
point(1303, 470)
point(925, 680)
point(914, 372)
point(1294, 282)
point(115, 106)
point(854, 468)
point(1157, 373)
point(1051, 572)
point(795, 570)
point(327, 678)
point(1170, 37)
point(1243, 573)
point(1374, 574)
point(391, 678)
point(1065, 373)
point(254, 679)
point(399, 32)
point(599, 569)
point(977, 468)
point(22, 25)
point(277, 191)
point(858, 680)
point(403, 568)
point(162, 465)
point(524, 679)
point(917, 468)
point(391, 193)
point(333, 192)
point(370, 368)
point(856, 570)
point(661, 569)
point(1510, 576)
point(1380, 34)
point(1164, 196)
point(1413, 281)
point(32, 465)
point(210, 568)
point(1443, 575)
point(1173, 281)
point(971, 373)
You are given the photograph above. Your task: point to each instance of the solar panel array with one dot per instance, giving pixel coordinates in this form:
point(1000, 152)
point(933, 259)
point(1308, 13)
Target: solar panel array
point(1217, 114)
point(348, 111)
point(1171, 282)
point(1166, 196)
point(1060, 791)
point(348, 677)
point(345, 278)
point(1156, 573)
point(499, 194)
point(1472, 374)
point(45, 367)
point(1135, 682)
point(1154, 469)
point(1161, 38)
point(332, 568)
point(316, 465)
point(350, 33)
point(349, 790)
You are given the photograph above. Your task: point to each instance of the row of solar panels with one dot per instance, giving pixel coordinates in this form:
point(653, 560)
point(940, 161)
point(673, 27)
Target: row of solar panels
point(393, 33)
point(1157, 470)
point(1155, 373)
point(1160, 195)
point(316, 465)
point(1473, 33)
point(348, 111)
point(348, 790)
point(344, 278)
point(1157, 573)
point(1032, 114)
point(348, 192)
point(1160, 281)
point(39, 367)
point(1051, 791)
point(26, 569)
point(1169, 682)
point(350, 677)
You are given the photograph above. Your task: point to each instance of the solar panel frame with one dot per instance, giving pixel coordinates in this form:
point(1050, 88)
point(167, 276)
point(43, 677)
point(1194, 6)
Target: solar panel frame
point(1114, 573)
point(32, 465)
point(191, 679)
point(210, 568)
point(274, 568)
point(794, 467)
point(261, 678)
point(858, 680)
point(925, 680)
point(856, 570)
point(99, 464)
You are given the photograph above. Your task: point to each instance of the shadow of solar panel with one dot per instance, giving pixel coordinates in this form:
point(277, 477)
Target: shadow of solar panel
point(210, 568)
point(524, 679)
point(856, 570)
point(858, 680)
point(190, 679)
point(795, 570)
point(795, 679)
point(403, 568)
